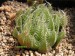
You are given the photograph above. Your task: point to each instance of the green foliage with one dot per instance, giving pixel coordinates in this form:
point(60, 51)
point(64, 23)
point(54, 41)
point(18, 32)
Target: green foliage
point(39, 28)
point(32, 2)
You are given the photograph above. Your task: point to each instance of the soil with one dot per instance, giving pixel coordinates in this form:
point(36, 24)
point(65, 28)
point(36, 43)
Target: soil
point(8, 12)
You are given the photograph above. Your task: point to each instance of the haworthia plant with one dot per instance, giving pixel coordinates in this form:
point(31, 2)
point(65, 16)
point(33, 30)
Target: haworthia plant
point(40, 28)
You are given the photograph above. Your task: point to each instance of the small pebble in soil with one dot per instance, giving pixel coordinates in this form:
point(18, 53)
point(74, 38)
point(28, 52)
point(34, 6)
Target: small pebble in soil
point(43, 55)
point(31, 53)
point(1, 29)
point(27, 55)
point(17, 55)
point(69, 46)
point(0, 38)
point(3, 44)
point(10, 16)
point(1, 50)
point(49, 54)
point(37, 54)
point(2, 22)
point(4, 40)
point(23, 54)
point(1, 8)
point(26, 52)
point(7, 8)
point(11, 39)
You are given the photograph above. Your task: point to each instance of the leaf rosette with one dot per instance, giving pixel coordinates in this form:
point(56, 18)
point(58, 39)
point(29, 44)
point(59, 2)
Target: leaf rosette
point(40, 28)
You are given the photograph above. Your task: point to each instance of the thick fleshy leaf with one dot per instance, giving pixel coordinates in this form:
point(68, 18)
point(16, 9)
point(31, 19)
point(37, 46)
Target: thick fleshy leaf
point(60, 36)
point(15, 33)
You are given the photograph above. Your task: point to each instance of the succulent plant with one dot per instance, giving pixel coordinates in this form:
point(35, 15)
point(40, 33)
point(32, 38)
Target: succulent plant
point(40, 28)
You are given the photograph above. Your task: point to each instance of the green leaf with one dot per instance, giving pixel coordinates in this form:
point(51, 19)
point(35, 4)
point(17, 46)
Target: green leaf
point(21, 46)
point(60, 36)
point(15, 33)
